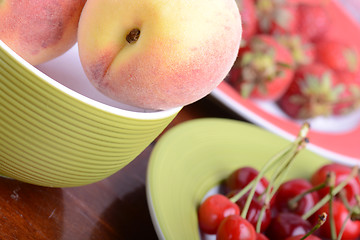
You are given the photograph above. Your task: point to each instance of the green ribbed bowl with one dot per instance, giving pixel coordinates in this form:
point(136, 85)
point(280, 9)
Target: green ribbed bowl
point(51, 135)
point(194, 157)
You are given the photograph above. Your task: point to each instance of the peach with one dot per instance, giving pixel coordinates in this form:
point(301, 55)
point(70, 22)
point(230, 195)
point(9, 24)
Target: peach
point(158, 54)
point(39, 30)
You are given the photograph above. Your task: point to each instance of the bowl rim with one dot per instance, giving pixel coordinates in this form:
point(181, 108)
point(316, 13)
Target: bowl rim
point(145, 115)
point(206, 163)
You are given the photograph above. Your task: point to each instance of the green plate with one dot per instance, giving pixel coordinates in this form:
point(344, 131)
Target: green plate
point(194, 157)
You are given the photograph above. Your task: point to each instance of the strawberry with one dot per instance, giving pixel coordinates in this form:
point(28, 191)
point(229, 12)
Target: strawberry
point(303, 53)
point(313, 21)
point(338, 55)
point(312, 93)
point(263, 69)
point(350, 98)
point(276, 16)
point(248, 17)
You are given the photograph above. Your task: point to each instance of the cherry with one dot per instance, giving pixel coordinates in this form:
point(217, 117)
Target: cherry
point(341, 172)
point(235, 227)
point(284, 198)
point(299, 237)
point(219, 214)
point(242, 177)
point(255, 207)
point(213, 210)
point(340, 214)
point(260, 236)
point(286, 225)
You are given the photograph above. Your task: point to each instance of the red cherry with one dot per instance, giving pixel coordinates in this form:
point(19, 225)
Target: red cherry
point(286, 225)
point(341, 173)
point(298, 237)
point(352, 228)
point(290, 189)
point(235, 227)
point(260, 236)
point(253, 213)
point(213, 210)
point(242, 177)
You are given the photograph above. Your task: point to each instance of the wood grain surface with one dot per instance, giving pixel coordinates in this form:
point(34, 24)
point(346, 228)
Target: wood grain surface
point(115, 208)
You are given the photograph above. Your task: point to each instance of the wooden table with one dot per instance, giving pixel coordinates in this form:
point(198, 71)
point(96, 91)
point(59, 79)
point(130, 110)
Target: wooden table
point(115, 208)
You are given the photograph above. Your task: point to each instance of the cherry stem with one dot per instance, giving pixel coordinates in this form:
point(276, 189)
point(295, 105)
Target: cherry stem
point(342, 229)
point(292, 203)
point(344, 199)
point(279, 177)
point(355, 210)
point(261, 215)
point(298, 144)
point(336, 190)
point(284, 154)
point(282, 172)
point(355, 216)
point(286, 157)
point(321, 220)
point(331, 212)
point(265, 169)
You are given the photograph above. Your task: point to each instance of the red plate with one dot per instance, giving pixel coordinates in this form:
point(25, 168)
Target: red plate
point(339, 141)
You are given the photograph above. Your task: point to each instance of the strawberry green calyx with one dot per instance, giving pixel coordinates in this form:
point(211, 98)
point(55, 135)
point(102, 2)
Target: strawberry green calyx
point(256, 70)
point(265, 10)
point(351, 59)
point(263, 69)
point(296, 47)
point(318, 96)
point(272, 12)
point(258, 67)
point(350, 102)
point(355, 92)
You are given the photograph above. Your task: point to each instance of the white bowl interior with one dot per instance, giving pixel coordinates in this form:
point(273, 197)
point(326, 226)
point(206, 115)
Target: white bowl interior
point(67, 70)
point(66, 73)
point(332, 124)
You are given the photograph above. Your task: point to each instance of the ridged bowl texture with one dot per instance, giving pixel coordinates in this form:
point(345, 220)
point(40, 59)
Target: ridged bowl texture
point(53, 136)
